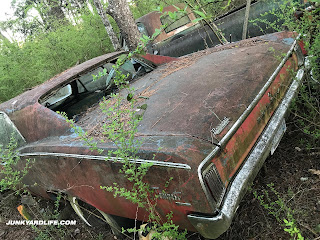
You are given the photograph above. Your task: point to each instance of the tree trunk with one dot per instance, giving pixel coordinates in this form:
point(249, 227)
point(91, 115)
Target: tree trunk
point(3, 37)
point(107, 25)
point(246, 19)
point(54, 11)
point(119, 10)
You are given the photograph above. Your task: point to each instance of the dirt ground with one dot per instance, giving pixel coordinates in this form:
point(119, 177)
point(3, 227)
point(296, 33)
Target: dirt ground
point(289, 169)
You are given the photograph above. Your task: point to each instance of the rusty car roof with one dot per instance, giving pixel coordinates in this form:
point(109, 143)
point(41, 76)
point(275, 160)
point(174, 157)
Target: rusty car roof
point(32, 96)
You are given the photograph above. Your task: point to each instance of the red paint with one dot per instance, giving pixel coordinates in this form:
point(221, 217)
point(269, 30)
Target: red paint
point(228, 162)
point(157, 59)
point(185, 184)
point(302, 46)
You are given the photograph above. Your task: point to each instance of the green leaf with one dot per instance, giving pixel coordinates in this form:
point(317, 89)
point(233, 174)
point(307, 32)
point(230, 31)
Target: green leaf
point(145, 37)
point(129, 97)
point(177, 8)
point(143, 97)
point(201, 14)
point(157, 31)
point(197, 19)
point(138, 116)
point(159, 9)
point(172, 15)
point(143, 107)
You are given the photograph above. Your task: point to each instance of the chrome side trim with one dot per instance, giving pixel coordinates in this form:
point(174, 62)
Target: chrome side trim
point(103, 158)
point(203, 165)
point(183, 204)
point(213, 226)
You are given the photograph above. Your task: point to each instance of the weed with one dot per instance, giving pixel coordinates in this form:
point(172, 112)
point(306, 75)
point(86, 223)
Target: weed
point(120, 129)
point(292, 16)
point(274, 203)
point(11, 177)
point(11, 181)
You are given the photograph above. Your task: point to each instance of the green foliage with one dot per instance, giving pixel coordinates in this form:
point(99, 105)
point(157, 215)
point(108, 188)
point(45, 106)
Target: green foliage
point(305, 107)
point(120, 129)
point(11, 176)
point(143, 7)
point(292, 230)
point(49, 232)
point(214, 7)
point(11, 179)
point(275, 204)
point(166, 231)
point(122, 134)
point(11, 182)
point(40, 57)
point(305, 110)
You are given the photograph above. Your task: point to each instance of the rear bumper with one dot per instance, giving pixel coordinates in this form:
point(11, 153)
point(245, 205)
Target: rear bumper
point(213, 226)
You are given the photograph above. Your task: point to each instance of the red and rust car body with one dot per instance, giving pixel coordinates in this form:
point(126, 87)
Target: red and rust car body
point(216, 115)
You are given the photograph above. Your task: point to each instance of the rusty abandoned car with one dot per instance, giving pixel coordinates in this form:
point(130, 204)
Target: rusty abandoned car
point(216, 114)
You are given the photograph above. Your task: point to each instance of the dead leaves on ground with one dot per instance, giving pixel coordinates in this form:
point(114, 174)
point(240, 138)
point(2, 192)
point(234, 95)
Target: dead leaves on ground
point(315, 172)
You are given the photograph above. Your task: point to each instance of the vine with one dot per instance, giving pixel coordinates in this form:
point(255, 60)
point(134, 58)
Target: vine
point(120, 129)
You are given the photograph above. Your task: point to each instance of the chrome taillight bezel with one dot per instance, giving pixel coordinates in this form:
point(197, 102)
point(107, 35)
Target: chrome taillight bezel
point(215, 189)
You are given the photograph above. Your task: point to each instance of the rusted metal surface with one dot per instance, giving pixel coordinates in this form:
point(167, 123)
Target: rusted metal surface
point(188, 100)
point(80, 174)
point(213, 226)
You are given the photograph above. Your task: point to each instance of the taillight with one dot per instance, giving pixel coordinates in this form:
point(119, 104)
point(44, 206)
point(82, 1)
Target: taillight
point(215, 187)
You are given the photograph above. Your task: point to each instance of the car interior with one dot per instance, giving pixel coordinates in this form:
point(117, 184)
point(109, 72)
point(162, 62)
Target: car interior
point(88, 89)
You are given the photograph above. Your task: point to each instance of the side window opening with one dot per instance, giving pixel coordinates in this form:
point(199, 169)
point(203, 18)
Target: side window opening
point(87, 83)
point(8, 130)
point(83, 92)
point(57, 97)
point(142, 29)
point(172, 24)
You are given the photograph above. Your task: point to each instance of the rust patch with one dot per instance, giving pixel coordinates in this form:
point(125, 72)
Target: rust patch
point(189, 60)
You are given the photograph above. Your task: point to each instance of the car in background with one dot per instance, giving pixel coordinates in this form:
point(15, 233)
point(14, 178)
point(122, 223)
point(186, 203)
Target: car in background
point(185, 35)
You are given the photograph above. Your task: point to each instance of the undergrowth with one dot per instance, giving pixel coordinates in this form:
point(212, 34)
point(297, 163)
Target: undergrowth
point(12, 188)
point(274, 203)
point(305, 108)
point(292, 16)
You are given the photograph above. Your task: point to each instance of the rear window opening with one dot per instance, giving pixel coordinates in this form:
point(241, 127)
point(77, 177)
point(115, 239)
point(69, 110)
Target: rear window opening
point(78, 95)
point(173, 24)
